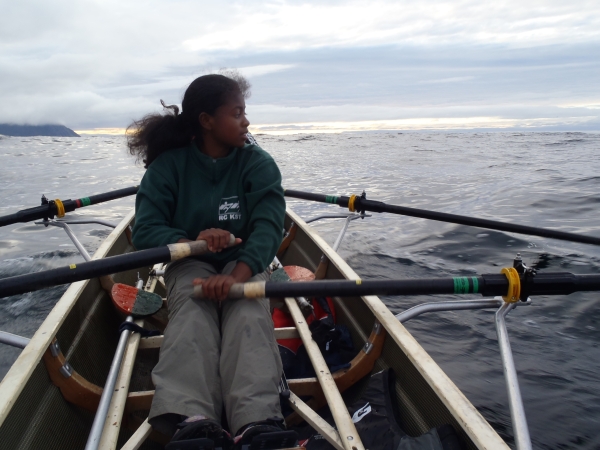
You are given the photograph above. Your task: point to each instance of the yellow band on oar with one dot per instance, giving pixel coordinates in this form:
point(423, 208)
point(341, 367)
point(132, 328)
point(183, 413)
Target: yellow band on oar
point(60, 208)
point(514, 285)
point(351, 203)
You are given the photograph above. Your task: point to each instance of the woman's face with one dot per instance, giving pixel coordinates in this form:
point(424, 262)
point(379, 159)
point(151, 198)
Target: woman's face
point(229, 124)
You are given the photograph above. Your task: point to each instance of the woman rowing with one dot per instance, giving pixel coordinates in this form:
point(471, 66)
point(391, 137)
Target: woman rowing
point(203, 181)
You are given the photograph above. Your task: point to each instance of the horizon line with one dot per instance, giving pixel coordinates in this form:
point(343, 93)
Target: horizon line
point(584, 124)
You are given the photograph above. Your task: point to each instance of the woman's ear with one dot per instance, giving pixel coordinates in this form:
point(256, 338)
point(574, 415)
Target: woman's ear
point(206, 121)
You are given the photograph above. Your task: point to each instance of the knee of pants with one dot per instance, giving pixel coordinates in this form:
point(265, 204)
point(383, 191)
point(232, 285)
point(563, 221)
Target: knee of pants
point(247, 311)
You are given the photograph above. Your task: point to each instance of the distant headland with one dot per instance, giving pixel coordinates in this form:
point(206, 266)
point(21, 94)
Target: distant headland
point(8, 129)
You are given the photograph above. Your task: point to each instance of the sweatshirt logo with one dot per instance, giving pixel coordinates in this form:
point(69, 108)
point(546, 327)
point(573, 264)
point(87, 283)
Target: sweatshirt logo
point(229, 209)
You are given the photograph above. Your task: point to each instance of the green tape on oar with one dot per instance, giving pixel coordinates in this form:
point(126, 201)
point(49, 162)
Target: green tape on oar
point(331, 199)
point(85, 201)
point(475, 285)
point(463, 286)
point(137, 302)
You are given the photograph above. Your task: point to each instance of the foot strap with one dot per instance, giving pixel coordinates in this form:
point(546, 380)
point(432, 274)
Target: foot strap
point(272, 441)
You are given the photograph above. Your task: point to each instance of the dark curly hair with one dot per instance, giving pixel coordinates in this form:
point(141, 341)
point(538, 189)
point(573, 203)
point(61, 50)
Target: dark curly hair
point(154, 134)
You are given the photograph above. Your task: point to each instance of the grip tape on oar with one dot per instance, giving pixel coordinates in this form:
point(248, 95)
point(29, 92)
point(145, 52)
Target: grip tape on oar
point(489, 285)
point(99, 267)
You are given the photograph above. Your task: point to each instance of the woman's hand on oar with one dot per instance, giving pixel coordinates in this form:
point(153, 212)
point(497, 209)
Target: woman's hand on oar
point(218, 287)
point(99, 267)
point(217, 239)
point(215, 287)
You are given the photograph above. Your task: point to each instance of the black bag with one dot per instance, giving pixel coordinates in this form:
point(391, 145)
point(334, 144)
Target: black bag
point(375, 416)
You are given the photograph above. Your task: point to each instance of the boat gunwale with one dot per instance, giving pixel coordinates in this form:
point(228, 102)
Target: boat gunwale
point(473, 423)
point(18, 375)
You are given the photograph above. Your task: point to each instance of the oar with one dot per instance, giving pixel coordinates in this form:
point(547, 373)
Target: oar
point(360, 203)
point(105, 266)
point(109, 387)
point(58, 207)
point(489, 285)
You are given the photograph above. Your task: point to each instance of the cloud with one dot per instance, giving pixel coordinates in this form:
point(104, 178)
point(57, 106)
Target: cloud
point(254, 71)
point(447, 80)
point(102, 64)
point(288, 25)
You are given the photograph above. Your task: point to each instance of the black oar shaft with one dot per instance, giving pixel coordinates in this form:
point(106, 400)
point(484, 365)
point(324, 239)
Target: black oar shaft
point(77, 272)
point(350, 288)
point(51, 209)
point(361, 204)
point(99, 267)
point(112, 195)
point(476, 222)
point(488, 285)
point(336, 200)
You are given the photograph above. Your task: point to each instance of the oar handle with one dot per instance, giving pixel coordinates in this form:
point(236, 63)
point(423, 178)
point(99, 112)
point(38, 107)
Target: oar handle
point(99, 267)
point(192, 248)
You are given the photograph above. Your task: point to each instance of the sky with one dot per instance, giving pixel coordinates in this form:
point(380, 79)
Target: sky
point(326, 66)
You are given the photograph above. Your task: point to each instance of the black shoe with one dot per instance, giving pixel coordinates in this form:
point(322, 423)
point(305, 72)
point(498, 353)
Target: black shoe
point(267, 434)
point(203, 434)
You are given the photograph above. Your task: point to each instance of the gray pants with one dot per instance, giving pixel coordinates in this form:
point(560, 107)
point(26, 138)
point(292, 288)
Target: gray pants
point(215, 356)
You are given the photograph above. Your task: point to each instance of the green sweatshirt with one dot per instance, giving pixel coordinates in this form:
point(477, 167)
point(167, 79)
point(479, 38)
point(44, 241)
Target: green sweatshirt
point(184, 192)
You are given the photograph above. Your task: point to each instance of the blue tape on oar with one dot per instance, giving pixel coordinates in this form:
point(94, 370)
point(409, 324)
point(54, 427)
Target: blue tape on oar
point(137, 302)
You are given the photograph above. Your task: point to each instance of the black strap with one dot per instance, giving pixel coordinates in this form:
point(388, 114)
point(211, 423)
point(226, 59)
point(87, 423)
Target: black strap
point(137, 329)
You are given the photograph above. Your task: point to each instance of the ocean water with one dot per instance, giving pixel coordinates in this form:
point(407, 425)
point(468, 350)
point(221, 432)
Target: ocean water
point(541, 179)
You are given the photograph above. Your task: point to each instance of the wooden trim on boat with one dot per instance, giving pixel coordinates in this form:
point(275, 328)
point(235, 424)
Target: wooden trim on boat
point(139, 437)
point(316, 421)
point(139, 401)
point(346, 429)
point(360, 366)
point(286, 333)
point(151, 342)
point(472, 422)
point(16, 378)
point(288, 239)
point(74, 388)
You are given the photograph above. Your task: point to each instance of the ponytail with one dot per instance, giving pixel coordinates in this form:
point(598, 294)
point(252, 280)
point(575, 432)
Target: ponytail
point(154, 134)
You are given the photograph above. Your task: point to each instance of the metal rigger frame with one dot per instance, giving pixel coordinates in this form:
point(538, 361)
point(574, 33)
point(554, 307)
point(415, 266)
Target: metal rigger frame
point(20, 341)
point(107, 406)
point(503, 305)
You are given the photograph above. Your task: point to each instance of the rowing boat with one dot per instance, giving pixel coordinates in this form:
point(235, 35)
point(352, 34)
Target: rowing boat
point(49, 396)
